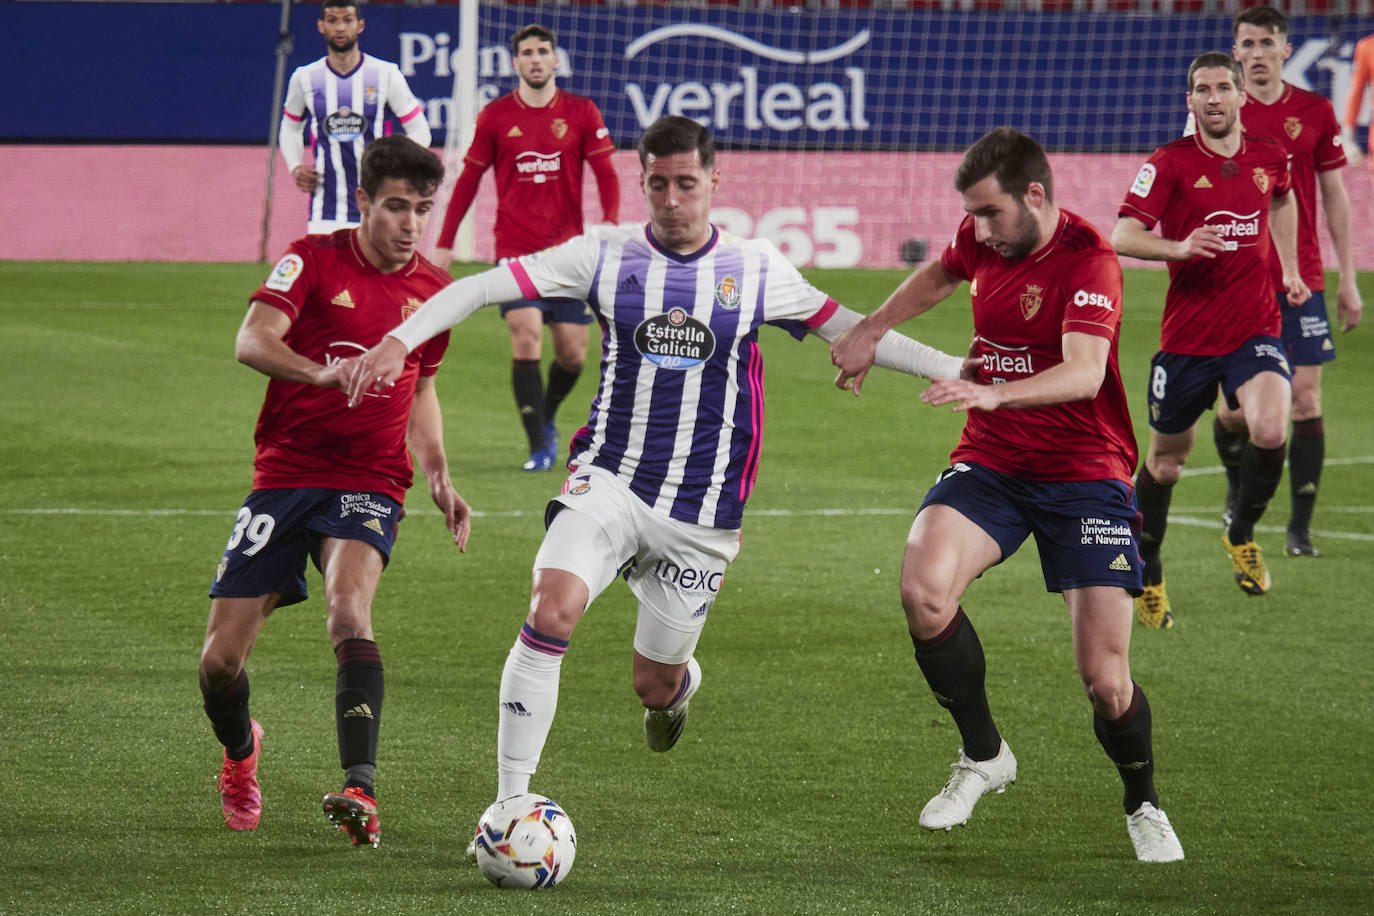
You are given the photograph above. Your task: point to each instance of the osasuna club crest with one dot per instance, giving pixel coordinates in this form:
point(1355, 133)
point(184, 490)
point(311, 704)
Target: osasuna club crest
point(728, 293)
point(1261, 179)
point(1031, 299)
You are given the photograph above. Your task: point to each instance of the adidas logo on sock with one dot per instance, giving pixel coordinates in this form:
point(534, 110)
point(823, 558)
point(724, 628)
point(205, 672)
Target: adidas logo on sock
point(515, 707)
point(1120, 564)
point(361, 711)
point(629, 285)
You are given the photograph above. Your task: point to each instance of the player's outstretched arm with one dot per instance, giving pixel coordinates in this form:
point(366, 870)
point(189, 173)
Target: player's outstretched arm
point(261, 345)
point(1132, 239)
point(378, 368)
point(893, 351)
point(1077, 378)
point(855, 350)
point(425, 435)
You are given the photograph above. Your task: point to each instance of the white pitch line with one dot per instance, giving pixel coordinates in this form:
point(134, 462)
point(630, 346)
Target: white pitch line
point(1329, 462)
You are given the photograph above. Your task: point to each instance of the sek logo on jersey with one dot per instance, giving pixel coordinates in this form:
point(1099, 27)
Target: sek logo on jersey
point(675, 340)
point(1144, 180)
point(285, 273)
point(345, 124)
point(1099, 300)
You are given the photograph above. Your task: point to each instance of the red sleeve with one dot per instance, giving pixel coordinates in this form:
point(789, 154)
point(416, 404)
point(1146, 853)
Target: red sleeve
point(1149, 193)
point(1093, 287)
point(1330, 152)
point(607, 186)
point(289, 284)
point(957, 259)
point(463, 193)
point(432, 353)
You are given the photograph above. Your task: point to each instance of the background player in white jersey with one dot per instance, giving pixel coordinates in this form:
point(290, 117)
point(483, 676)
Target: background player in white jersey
point(660, 475)
point(346, 96)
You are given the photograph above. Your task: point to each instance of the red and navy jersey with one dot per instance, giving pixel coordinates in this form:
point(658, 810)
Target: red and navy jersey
point(340, 306)
point(1214, 304)
point(1305, 123)
point(1021, 311)
point(537, 154)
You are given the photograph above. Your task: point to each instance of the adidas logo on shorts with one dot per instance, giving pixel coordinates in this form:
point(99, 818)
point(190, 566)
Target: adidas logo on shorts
point(1120, 564)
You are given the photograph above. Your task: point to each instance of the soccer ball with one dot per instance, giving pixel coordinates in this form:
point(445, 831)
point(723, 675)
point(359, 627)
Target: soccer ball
point(525, 841)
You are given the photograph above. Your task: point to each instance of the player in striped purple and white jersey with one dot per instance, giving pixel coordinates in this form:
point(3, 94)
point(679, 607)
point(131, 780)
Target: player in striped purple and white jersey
point(659, 477)
point(346, 97)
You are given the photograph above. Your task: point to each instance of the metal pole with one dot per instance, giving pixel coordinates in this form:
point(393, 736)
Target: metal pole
point(283, 51)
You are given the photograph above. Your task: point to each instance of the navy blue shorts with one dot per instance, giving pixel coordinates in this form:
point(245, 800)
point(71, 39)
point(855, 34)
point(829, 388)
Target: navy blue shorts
point(277, 529)
point(1183, 388)
point(1307, 332)
point(556, 311)
point(1086, 530)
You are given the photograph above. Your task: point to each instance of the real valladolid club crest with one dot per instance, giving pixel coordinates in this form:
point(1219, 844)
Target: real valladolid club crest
point(1031, 299)
point(370, 95)
point(559, 127)
point(1261, 179)
point(728, 293)
point(1292, 127)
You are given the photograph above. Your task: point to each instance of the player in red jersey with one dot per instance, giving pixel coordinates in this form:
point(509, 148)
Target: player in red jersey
point(537, 138)
point(1216, 196)
point(328, 481)
point(1305, 123)
point(1047, 449)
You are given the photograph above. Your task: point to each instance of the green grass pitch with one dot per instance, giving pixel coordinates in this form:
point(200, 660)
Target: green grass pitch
point(126, 437)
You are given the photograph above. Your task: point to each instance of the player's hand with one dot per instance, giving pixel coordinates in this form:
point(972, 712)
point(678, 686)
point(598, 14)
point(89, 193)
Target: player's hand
point(963, 394)
point(442, 258)
point(1296, 290)
point(853, 352)
point(1202, 242)
point(457, 513)
point(376, 370)
point(305, 178)
point(1353, 154)
point(1349, 306)
point(969, 372)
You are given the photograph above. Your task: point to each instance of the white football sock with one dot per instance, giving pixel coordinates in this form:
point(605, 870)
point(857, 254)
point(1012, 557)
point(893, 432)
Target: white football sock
point(529, 697)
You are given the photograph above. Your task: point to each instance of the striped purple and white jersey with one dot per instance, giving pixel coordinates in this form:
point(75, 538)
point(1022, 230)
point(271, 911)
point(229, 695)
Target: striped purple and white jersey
point(678, 413)
point(345, 113)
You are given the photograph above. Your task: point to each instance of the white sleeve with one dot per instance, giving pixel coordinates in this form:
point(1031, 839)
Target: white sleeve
point(291, 134)
point(455, 302)
point(895, 351)
point(403, 103)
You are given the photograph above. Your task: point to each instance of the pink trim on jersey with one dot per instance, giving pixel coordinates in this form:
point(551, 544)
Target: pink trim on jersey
point(526, 284)
point(418, 109)
point(751, 461)
point(299, 117)
point(823, 314)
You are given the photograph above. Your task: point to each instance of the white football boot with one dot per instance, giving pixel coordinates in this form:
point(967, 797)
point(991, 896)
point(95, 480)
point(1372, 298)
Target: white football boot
point(971, 780)
point(1152, 835)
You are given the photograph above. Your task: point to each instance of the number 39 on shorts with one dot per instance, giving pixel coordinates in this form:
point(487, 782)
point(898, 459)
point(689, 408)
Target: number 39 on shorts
point(257, 528)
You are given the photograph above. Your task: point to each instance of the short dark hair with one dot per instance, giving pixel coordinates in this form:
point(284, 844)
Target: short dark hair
point(339, 4)
point(534, 30)
point(1266, 17)
point(398, 156)
point(1015, 158)
point(673, 134)
point(1216, 59)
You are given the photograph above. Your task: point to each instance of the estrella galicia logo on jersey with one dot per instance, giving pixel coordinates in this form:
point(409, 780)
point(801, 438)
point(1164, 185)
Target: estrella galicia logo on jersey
point(728, 294)
point(345, 124)
point(675, 340)
point(285, 273)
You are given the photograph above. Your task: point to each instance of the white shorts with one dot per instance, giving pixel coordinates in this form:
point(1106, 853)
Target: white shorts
point(327, 226)
point(674, 568)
